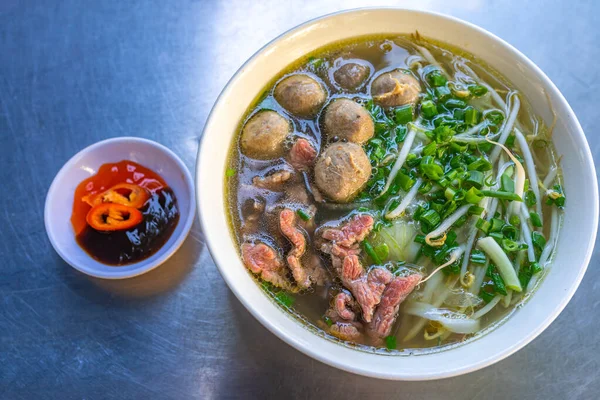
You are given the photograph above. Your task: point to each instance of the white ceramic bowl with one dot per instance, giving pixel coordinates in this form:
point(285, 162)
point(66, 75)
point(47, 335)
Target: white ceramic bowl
point(576, 239)
point(59, 201)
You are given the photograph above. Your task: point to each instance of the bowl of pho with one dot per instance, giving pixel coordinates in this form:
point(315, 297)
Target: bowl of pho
point(397, 193)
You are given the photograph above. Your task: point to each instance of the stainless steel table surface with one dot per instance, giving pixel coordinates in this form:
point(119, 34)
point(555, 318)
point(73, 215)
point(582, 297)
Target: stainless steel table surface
point(74, 72)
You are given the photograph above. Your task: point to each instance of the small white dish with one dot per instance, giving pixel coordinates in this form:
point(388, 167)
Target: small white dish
point(59, 202)
point(576, 239)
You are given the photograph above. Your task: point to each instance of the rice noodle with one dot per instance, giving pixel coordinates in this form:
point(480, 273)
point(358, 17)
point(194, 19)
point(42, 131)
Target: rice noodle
point(408, 141)
point(412, 193)
point(533, 178)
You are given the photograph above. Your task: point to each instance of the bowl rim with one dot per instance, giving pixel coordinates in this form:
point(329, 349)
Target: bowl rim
point(212, 242)
point(132, 270)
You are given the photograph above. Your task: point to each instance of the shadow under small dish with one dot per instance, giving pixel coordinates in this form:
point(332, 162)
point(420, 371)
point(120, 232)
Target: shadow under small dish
point(123, 214)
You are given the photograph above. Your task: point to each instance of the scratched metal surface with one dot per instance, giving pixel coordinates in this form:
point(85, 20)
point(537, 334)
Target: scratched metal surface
point(73, 72)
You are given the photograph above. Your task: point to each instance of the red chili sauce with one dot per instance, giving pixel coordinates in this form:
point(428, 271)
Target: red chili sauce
point(115, 246)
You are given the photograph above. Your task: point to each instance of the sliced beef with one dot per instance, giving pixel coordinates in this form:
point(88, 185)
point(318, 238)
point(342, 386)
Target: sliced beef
point(342, 315)
point(302, 154)
point(312, 270)
point(343, 241)
point(343, 304)
point(264, 261)
point(367, 288)
point(345, 331)
point(274, 181)
point(387, 312)
point(353, 231)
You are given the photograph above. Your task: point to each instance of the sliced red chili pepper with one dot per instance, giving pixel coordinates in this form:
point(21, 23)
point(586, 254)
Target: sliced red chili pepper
point(122, 193)
point(113, 217)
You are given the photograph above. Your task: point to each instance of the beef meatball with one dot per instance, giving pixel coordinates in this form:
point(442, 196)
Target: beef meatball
point(301, 95)
point(348, 120)
point(351, 75)
point(342, 171)
point(264, 134)
point(395, 88)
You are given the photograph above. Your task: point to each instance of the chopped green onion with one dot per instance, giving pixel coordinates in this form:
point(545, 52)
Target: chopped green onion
point(284, 298)
point(501, 195)
point(428, 109)
point(449, 193)
point(435, 78)
point(400, 133)
point(509, 245)
point(230, 172)
point(371, 252)
point(510, 231)
point(473, 196)
point(499, 286)
point(515, 220)
point(430, 149)
point(510, 141)
point(404, 114)
point(383, 251)
point(475, 210)
point(425, 187)
point(477, 90)
point(497, 225)
point(535, 219)
point(530, 199)
point(442, 93)
point(455, 103)
point(328, 321)
point(483, 225)
point(430, 217)
point(538, 240)
point(478, 257)
point(486, 296)
point(431, 169)
point(480, 164)
point(472, 116)
point(507, 184)
point(390, 342)
point(475, 178)
point(502, 262)
point(303, 214)
point(495, 117)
